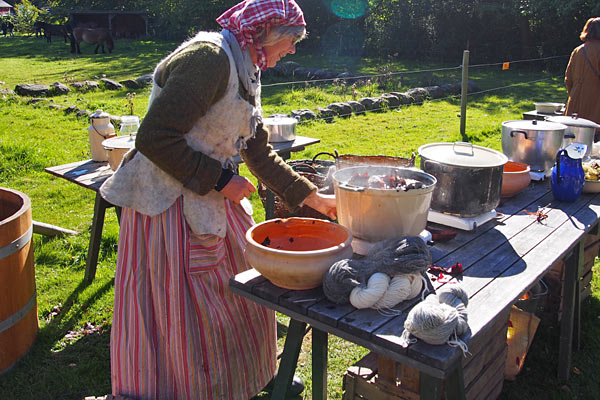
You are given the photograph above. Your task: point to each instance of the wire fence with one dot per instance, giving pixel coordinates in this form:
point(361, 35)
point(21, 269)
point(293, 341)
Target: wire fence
point(445, 98)
point(457, 97)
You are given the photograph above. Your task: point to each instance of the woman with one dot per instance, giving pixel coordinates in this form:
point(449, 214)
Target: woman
point(582, 76)
point(177, 330)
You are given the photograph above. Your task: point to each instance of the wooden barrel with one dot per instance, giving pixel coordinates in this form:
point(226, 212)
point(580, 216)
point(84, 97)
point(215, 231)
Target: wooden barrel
point(18, 305)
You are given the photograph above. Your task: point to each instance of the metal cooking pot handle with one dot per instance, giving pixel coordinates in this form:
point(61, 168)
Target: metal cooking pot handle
point(426, 161)
point(569, 135)
point(512, 133)
point(312, 169)
point(334, 156)
point(463, 144)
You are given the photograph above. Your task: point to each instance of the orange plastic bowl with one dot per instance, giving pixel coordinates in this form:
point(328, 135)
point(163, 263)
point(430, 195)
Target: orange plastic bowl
point(515, 178)
point(295, 253)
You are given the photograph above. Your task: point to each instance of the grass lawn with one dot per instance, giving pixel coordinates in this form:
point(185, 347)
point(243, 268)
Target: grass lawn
point(70, 358)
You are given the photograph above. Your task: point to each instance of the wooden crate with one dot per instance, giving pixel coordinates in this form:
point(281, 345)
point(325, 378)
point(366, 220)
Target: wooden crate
point(379, 378)
point(555, 277)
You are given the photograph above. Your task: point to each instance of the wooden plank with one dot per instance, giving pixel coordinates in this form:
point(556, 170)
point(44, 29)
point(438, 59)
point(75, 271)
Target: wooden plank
point(88, 173)
point(366, 367)
point(246, 280)
point(489, 377)
point(42, 228)
point(301, 300)
point(472, 367)
point(410, 378)
point(328, 312)
point(386, 372)
point(267, 291)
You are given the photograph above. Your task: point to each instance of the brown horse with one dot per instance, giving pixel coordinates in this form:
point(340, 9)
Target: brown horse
point(97, 36)
point(50, 29)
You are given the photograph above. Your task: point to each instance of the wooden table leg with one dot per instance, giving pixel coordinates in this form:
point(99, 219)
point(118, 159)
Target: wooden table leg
point(431, 388)
point(118, 212)
point(567, 320)
point(100, 206)
point(289, 359)
point(319, 364)
point(455, 384)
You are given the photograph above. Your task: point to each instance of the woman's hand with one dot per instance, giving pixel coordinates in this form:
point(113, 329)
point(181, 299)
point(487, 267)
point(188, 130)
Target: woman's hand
point(323, 203)
point(237, 188)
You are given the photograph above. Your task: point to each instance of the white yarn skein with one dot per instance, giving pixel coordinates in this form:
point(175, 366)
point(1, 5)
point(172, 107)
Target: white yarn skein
point(416, 285)
point(398, 290)
point(362, 297)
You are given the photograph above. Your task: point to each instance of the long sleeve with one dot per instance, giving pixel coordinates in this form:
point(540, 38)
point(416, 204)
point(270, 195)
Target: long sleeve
point(273, 171)
point(191, 83)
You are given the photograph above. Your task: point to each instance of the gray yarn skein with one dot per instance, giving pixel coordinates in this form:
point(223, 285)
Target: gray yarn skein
point(342, 277)
point(437, 318)
point(407, 255)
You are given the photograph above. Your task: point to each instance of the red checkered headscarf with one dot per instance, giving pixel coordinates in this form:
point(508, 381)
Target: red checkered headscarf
point(249, 18)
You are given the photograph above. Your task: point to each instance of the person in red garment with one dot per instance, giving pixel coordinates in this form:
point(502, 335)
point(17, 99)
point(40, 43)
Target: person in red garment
point(582, 76)
point(178, 332)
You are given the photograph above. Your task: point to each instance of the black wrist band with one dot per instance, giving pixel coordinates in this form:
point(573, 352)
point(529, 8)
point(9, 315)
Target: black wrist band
point(226, 175)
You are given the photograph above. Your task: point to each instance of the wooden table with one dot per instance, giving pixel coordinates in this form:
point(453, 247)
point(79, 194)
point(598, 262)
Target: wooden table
point(502, 259)
point(91, 175)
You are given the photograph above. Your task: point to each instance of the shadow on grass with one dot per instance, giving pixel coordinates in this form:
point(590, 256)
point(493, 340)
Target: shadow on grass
point(66, 360)
point(538, 379)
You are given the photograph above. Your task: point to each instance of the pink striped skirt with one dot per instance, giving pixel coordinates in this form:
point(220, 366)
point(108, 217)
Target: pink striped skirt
point(178, 332)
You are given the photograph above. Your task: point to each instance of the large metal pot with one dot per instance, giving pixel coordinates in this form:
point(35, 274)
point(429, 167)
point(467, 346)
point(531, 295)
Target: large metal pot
point(582, 129)
point(280, 129)
point(378, 214)
point(469, 177)
point(532, 142)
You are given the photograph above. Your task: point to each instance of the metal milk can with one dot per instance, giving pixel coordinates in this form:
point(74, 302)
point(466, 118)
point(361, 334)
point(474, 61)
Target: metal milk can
point(100, 129)
point(568, 176)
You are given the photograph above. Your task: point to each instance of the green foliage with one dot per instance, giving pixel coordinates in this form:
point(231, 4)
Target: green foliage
point(25, 15)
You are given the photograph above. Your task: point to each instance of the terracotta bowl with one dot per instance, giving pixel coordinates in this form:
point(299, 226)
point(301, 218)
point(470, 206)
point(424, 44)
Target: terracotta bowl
point(515, 178)
point(295, 253)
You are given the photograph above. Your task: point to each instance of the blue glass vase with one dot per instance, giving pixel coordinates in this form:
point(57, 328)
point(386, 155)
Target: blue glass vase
point(568, 177)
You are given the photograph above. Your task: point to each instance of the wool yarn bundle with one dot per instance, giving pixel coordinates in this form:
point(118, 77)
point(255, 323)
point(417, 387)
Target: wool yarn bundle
point(383, 292)
point(439, 319)
point(390, 273)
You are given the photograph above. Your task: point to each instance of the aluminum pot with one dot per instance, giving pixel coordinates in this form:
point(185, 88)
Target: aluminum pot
point(280, 129)
point(582, 129)
point(116, 148)
point(533, 142)
point(378, 214)
point(469, 177)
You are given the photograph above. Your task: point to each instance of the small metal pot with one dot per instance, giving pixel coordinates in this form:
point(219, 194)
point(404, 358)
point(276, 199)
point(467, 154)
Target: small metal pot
point(583, 130)
point(533, 142)
point(469, 177)
point(116, 148)
point(280, 129)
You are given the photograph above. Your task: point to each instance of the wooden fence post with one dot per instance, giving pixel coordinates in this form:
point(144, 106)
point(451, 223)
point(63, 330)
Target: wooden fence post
point(464, 90)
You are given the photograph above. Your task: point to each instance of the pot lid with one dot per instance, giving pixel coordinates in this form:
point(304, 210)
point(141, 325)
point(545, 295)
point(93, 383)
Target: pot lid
point(119, 142)
point(280, 121)
point(573, 120)
point(100, 114)
point(550, 104)
point(463, 154)
point(532, 124)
